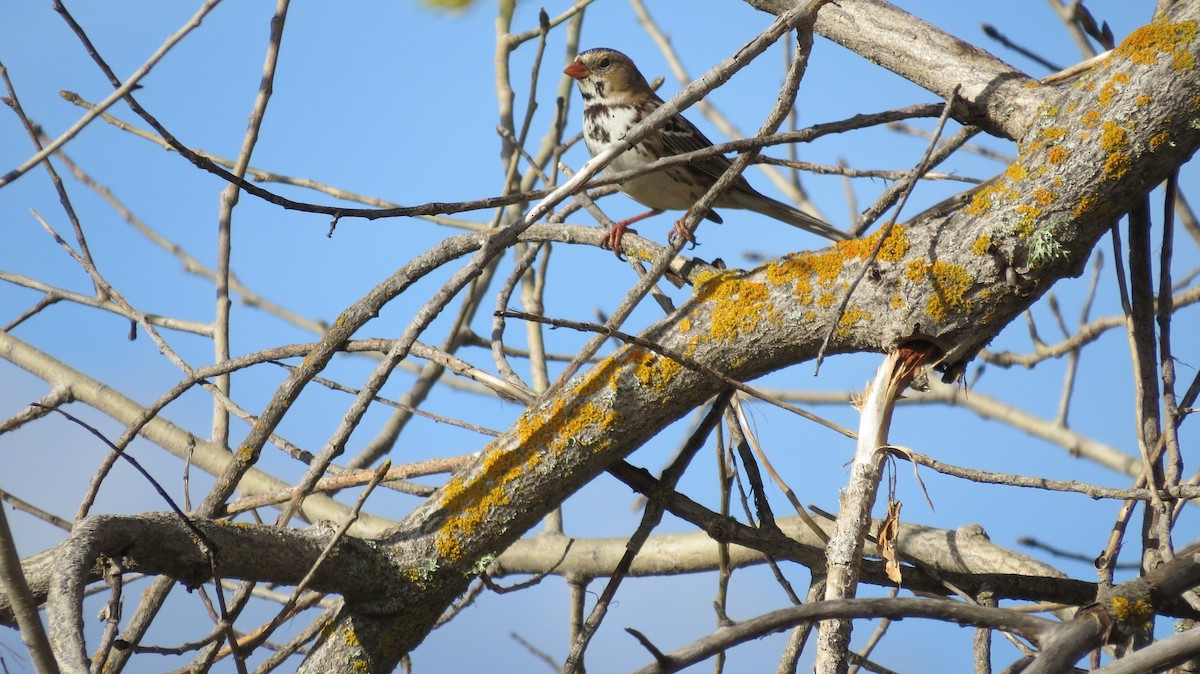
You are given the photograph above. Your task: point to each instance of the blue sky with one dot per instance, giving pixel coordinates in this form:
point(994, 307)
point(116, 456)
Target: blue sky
point(397, 101)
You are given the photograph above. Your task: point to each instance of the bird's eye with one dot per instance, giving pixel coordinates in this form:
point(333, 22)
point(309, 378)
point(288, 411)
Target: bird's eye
point(605, 62)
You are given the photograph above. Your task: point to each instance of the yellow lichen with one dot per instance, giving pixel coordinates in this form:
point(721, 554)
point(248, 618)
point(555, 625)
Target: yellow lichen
point(827, 266)
point(896, 301)
point(704, 276)
point(1016, 172)
point(1090, 118)
point(1113, 137)
point(1144, 45)
point(684, 325)
point(1053, 133)
point(1086, 204)
point(950, 285)
point(916, 270)
point(849, 317)
point(1057, 155)
point(653, 371)
point(983, 243)
point(1116, 165)
point(540, 433)
point(1029, 214)
point(738, 307)
point(1142, 101)
point(804, 289)
point(1107, 90)
point(1131, 613)
point(985, 198)
point(1159, 139)
point(826, 300)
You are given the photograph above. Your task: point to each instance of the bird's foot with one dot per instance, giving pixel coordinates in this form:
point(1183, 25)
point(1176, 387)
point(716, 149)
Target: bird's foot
point(612, 238)
point(681, 231)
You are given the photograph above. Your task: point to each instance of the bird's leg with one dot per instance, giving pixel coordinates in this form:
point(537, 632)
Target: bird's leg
point(612, 238)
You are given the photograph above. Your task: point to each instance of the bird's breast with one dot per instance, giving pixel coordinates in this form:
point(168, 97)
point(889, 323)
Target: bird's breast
point(604, 124)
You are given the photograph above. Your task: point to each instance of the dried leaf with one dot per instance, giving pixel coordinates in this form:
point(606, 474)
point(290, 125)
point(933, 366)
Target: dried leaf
point(885, 538)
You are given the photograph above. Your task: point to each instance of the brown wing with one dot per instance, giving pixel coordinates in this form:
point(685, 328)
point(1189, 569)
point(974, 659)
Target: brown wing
point(681, 136)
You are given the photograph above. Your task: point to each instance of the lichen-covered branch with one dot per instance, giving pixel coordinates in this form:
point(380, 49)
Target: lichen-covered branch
point(1087, 151)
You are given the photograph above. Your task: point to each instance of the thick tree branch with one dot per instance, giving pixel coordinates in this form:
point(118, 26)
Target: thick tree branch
point(954, 280)
point(999, 98)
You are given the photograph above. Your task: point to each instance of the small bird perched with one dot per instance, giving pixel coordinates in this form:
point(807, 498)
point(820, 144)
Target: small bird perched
point(616, 97)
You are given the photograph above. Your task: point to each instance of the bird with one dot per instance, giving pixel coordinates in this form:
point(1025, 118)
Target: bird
point(616, 97)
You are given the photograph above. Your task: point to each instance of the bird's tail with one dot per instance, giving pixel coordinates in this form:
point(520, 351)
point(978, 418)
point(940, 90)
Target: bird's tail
point(795, 217)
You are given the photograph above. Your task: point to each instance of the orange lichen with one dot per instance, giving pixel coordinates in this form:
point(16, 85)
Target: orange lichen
point(893, 249)
point(1086, 204)
point(1142, 101)
point(826, 300)
point(1159, 139)
point(1057, 155)
point(1144, 45)
point(1090, 118)
point(1044, 197)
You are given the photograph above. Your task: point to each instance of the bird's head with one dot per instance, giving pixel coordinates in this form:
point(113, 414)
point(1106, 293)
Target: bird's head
point(606, 73)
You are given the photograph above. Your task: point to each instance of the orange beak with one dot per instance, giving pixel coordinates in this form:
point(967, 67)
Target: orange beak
point(576, 70)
